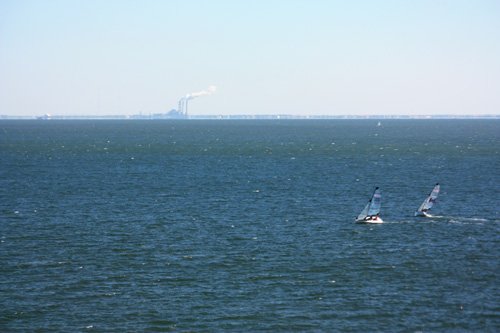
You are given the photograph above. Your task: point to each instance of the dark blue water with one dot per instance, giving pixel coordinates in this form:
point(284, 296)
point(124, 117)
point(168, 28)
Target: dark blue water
point(247, 226)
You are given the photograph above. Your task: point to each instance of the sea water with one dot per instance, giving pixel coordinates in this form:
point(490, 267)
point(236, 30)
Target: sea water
point(248, 226)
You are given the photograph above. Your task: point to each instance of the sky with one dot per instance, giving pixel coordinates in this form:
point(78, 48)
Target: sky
point(298, 57)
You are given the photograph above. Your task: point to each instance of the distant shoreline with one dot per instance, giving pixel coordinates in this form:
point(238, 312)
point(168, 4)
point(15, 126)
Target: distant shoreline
point(243, 117)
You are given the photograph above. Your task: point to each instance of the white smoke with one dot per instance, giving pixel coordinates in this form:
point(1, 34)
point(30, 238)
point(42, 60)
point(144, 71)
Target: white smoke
point(209, 91)
point(183, 102)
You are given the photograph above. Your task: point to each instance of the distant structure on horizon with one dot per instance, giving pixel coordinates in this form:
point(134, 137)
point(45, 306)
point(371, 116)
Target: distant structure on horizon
point(46, 116)
point(182, 108)
point(175, 114)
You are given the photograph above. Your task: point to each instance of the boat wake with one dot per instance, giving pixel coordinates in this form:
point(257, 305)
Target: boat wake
point(456, 219)
point(466, 220)
point(441, 219)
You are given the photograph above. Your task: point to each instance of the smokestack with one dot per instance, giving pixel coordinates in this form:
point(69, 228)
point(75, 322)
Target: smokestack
point(183, 102)
point(180, 107)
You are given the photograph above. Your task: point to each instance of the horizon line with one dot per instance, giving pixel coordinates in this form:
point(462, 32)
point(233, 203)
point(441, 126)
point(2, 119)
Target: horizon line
point(161, 116)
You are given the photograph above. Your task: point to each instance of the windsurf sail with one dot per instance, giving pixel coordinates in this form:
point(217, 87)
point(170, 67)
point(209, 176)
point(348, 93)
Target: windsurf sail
point(364, 212)
point(372, 208)
point(376, 202)
point(430, 200)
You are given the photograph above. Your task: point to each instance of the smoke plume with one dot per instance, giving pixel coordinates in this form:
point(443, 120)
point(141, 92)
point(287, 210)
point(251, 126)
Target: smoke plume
point(209, 91)
point(183, 102)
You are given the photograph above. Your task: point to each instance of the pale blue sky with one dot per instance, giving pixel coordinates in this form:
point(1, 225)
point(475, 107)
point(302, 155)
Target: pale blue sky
point(96, 57)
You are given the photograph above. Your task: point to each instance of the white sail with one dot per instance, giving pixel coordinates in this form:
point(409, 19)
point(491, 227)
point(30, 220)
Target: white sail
point(364, 212)
point(375, 203)
point(429, 201)
point(369, 214)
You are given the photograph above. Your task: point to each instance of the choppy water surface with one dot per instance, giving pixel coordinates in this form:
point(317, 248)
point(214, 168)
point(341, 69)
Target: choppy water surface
point(210, 226)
